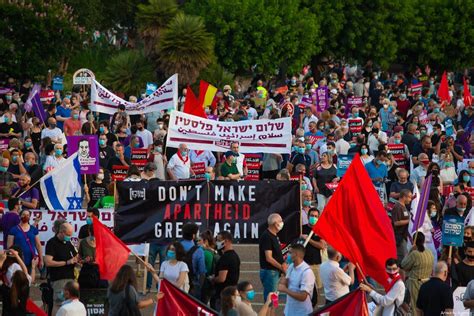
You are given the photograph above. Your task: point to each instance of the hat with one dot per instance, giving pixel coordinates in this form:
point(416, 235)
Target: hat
point(229, 153)
point(227, 87)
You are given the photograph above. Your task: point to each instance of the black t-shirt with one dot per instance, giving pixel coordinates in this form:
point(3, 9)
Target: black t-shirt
point(312, 254)
point(5, 129)
point(229, 261)
point(435, 297)
point(105, 154)
point(60, 251)
point(114, 161)
point(464, 273)
point(97, 191)
point(268, 241)
point(323, 176)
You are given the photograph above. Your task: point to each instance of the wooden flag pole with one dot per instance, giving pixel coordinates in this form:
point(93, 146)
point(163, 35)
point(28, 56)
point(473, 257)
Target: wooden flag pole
point(361, 273)
point(301, 204)
point(308, 238)
point(450, 253)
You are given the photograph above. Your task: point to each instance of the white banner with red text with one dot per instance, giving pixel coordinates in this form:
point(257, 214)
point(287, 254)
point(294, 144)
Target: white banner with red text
point(256, 136)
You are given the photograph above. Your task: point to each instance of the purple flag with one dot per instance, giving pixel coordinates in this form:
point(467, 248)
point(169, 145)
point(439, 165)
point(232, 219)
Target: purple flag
point(322, 98)
point(5, 90)
point(87, 147)
point(34, 103)
point(422, 204)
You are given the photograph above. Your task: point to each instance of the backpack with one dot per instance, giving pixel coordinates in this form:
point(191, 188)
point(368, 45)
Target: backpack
point(188, 259)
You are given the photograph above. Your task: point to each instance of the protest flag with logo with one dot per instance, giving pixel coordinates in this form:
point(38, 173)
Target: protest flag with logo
point(467, 94)
point(356, 224)
point(192, 105)
point(443, 91)
point(206, 93)
point(352, 304)
point(111, 252)
point(179, 303)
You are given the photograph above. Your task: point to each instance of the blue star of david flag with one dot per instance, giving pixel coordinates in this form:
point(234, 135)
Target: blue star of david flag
point(62, 187)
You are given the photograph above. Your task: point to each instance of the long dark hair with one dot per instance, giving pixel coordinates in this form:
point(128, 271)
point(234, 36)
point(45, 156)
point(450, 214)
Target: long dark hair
point(420, 241)
point(178, 249)
point(227, 302)
point(207, 235)
point(125, 276)
point(11, 259)
point(20, 290)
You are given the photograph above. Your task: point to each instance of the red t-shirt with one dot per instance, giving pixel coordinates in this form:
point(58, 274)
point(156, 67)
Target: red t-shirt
point(72, 127)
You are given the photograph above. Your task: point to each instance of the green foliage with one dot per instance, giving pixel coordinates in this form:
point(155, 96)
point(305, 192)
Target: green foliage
point(216, 75)
point(35, 38)
point(128, 72)
point(185, 47)
point(270, 34)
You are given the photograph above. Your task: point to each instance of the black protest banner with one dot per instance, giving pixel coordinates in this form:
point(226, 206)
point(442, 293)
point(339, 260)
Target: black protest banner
point(157, 210)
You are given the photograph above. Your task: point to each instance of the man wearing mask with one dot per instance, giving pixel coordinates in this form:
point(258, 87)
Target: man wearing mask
point(14, 167)
point(464, 270)
point(104, 130)
point(158, 159)
point(401, 184)
point(335, 280)
point(395, 290)
point(55, 160)
point(298, 284)
point(53, 132)
point(377, 168)
point(229, 169)
point(241, 164)
point(435, 296)
point(419, 173)
point(409, 138)
point(270, 255)
point(308, 118)
point(105, 152)
point(10, 129)
point(118, 159)
point(298, 156)
point(315, 246)
point(60, 259)
point(30, 166)
point(227, 267)
point(400, 219)
point(71, 306)
point(144, 134)
point(460, 209)
point(307, 197)
point(72, 125)
point(179, 166)
point(63, 112)
point(29, 196)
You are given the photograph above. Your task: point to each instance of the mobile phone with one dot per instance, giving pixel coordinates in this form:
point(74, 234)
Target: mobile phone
point(275, 300)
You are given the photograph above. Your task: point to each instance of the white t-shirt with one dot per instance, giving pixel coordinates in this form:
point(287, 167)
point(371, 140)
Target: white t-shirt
point(179, 168)
point(72, 308)
point(171, 273)
point(300, 279)
point(11, 271)
point(53, 162)
point(55, 134)
point(146, 136)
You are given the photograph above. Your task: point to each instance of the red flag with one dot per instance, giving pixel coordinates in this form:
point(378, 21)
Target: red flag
point(356, 224)
point(206, 93)
point(351, 304)
point(467, 94)
point(443, 91)
point(191, 104)
point(111, 252)
point(179, 303)
point(33, 308)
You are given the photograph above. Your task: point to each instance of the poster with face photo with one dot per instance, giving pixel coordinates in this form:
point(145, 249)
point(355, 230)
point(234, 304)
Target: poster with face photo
point(87, 147)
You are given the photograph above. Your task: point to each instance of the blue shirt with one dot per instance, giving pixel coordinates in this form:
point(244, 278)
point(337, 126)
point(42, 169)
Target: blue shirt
point(63, 112)
point(376, 172)
point(26, 241)
point(199, 264)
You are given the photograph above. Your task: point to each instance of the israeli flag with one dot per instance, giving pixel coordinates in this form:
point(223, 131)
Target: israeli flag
point(62, 187)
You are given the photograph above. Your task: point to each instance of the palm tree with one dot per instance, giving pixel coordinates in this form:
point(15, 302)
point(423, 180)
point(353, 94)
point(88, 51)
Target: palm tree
point(128, 72)
point(185, 47)
point(217, 75)
point(152, 18)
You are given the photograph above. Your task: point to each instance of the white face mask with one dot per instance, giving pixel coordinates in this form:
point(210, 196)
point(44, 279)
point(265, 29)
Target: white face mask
point(100, 176)
point(238, 299)
point(280, 226)
point(220, 245)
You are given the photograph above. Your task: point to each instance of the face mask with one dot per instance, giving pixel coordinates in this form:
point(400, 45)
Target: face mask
point(433, 214)
point(28, 144)
point(356, 115)
point(331, 152)
point(280, 226)
point(75, 116)
point(352, 145)
point(380, 162)
point(396, 141)
point(300, 150)
point(184, 153)
point(8, 97)
point(58, 152)
point(234, 160)
point(220, 245)
point(25, 219)
point(100, 176)
point(401, 133)
point(207, 176)
point(7, 119)
point(289, 260)
point(470, 170)
point(67, 238)
point(417, 136)
point(422, 133)
point(313, 220)
point(136, 145)
point(158, 150)
point(461, 209)
point(308, 146)
point(363, 151)
point(391, 275)
point(170, 254)
point(61, 296)
point(14, 158)
point(53, 126)
point(306, 203)
point(89, 221)
point(470, 258)
point(436, 110)
point(250, 295)
point(3, 169)
point(27, 164)
point(160, 126)
point(101, 142)
point(101, 130)
point(466, 178)
point(449, 164)
point(294, 148)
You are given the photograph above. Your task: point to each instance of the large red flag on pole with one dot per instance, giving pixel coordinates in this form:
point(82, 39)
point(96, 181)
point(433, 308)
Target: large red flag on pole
point(352, 304)
point(467, 94)
point(178, 303)
point(443, 90)
point(356, 224)
point(192, 105)
point(111, 252)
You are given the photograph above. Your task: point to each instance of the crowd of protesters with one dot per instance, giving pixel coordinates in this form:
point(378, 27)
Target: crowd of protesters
point(436, 139)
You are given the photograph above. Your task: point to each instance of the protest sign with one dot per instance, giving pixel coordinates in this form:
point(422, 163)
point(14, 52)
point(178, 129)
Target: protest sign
point(87, 147)
point(58, 83)
point(322, 98)
point(355, 126)
point(83, 77)
point(458, 298)
point(4, 144)
point(139, 157)
point(94, 301)
point(253, 166)
point(264, 136)
point(156, 210)
point(398, 153)
point(416, 88)
point(163, 98)
point(424, 117)
point(315, 139)
point(199, 168)
point(119, 173)
point(343, 162)
point(453, 231)
point(306, 102)
point(353, 101)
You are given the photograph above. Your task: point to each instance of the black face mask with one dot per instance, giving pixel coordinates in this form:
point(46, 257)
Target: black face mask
point(375, 130)
point(470, 258)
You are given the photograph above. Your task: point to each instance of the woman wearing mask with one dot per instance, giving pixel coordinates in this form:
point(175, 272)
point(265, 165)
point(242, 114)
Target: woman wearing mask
point(208, 245)
point(96, 189)
point(26, 237)
point(174, 269)
point(364, 154)
point(463, 181)
point(247, 294)
point(156, 156)
point(448, 172)
point(28, 146)
point(122, 294)
point(325, 173)
point(230, 297)
point(89, 278)
point(121, 133)
point(436, 182)
point(35, 133)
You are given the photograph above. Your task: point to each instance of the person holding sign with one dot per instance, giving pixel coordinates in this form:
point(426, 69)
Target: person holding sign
point(229, 168)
